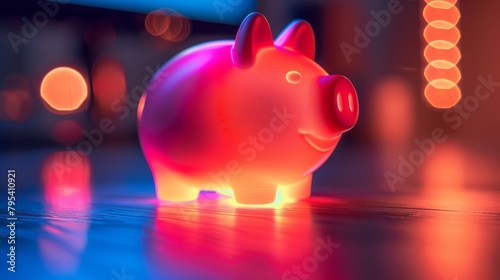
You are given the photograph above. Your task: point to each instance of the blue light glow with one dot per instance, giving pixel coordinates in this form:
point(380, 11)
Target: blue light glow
point(220, 11)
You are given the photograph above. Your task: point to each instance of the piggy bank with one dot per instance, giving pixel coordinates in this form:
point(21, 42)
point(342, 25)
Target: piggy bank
point(252, 118)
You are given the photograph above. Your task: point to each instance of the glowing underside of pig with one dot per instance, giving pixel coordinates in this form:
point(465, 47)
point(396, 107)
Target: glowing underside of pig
point(251, 117)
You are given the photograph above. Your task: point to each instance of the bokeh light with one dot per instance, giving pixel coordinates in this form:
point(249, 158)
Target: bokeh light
point(179, 28)
point(157, 22)
point(168, 24)
point(438, 10)
point(442, 58)
point(108, 84)
point(16, 103)
point(442, 97)
point(442, 53)
point(392, 113)
point(451, 35)
point(64, 90)
point(434, 74)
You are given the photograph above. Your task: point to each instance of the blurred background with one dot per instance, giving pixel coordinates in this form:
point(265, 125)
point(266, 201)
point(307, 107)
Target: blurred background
point(426, 73)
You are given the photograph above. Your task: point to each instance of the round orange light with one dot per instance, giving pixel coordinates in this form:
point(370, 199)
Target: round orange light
point(441, 10)
point(441, 97)
point(179, 28)
point(442, 58)
point(442, 53)
point(157, 22)
point(64, 89)
point(451, 35)
point(452, 74)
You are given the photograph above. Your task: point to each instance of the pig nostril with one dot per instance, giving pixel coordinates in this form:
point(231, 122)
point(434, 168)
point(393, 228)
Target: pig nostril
point(293, 77)
point(351, 102)
point(339, 102)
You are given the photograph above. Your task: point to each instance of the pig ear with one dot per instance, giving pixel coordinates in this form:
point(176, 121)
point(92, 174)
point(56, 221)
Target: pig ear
point(253, 35)
point(298, 36)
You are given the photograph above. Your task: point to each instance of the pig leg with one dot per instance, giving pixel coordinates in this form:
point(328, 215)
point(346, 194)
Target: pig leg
point(298, 190)
point(171, 186)
point(254, 192)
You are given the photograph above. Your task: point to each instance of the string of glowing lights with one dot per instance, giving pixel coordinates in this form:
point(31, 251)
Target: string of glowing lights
point(442, 53)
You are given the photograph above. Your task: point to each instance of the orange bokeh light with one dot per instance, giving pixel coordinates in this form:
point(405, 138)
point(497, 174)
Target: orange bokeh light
point(441, 11)
point(64, 90)
point(434, 75)
point(157, 22)
point(442, 58)
point(179, 29)
point(168, 24)
point(441, 53)
point(451, 35)
point(442, 98)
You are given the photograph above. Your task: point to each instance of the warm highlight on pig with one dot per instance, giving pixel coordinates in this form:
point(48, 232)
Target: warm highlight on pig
point(251, 115)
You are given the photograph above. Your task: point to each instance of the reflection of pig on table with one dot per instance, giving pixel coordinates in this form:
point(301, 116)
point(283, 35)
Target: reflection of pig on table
point(252, 115)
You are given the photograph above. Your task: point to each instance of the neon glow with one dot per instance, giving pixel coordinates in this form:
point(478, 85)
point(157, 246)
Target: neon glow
point(441, 53)
point(232, 125)
point(64, 90)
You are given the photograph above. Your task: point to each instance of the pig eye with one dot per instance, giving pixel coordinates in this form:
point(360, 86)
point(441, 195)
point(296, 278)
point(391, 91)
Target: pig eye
point(293, 77)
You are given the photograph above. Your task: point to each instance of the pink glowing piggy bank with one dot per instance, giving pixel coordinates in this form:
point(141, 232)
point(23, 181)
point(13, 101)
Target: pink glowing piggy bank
point(251, 117)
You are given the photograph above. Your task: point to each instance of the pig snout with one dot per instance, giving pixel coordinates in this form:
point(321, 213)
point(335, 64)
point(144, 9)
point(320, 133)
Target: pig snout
point(342, 101)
